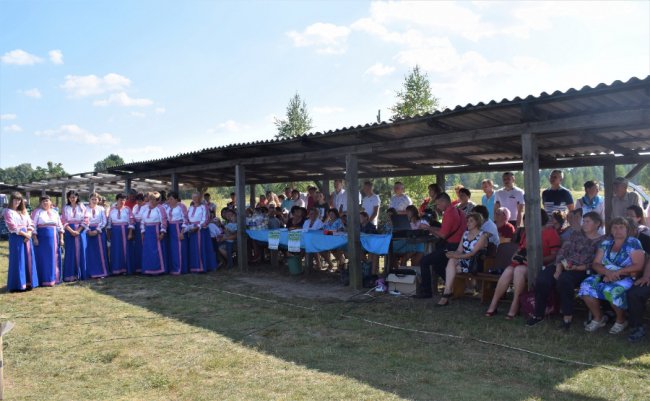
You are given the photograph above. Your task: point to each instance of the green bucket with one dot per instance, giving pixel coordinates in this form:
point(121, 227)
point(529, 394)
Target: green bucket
point(295, 267)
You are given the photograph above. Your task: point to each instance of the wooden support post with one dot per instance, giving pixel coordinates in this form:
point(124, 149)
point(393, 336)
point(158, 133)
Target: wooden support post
point(609, 175)
point(354, 224)
point(532, 197)
point(253, 197)
point(240, 196)
point(175, 183)
point(4, 329)
point(326, 189)
point(440, 180)
point(127, 185)
point(91, 189)
point(63, 198)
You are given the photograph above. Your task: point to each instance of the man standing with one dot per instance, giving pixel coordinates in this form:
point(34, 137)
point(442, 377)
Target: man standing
point(287, 203)
point(370, 203)
point(451, 233)
point(400, 200)
point(232, 205)
point(130, 201)
point(296, 199)
point(338, 199)
point(557, 197)
point(511, 198)
point(311, 197)
point(623, 199)
point(488, 199)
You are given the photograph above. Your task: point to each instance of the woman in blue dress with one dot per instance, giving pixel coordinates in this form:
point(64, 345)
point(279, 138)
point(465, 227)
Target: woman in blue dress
point(48, 240)
point(120, 233)
point(96, 256)
point(616, 262)
point(73, 218)
point(154, 231)
point(22, 274)
point(177, 220)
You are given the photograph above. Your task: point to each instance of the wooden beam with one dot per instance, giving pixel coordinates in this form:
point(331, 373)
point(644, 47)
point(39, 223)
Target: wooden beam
point(440, 180)
point(609, 175)
point(174, 179)
point(354, 224)
point(252, 195)
point(636, 170)
point(242, 238)
point(533, 223)
point(326, 189)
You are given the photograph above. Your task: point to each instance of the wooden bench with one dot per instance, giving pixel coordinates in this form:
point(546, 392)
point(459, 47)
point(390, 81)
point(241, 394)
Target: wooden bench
point(486, 281)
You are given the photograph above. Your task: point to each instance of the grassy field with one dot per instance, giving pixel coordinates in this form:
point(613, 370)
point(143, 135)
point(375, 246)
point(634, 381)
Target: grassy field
point(268, 336)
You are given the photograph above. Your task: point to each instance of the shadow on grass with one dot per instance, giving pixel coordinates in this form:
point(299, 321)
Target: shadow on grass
point(329, 335)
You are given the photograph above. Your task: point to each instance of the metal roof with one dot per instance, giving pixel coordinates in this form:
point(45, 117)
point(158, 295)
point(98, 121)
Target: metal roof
point(587, 126)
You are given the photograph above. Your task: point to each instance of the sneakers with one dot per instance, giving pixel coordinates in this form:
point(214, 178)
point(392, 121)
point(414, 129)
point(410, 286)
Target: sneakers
point(595, 325)
point(637, 334)
point(618, 328)
point(533, 321)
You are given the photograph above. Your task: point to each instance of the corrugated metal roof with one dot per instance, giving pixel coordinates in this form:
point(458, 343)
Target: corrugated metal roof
point(617, 96)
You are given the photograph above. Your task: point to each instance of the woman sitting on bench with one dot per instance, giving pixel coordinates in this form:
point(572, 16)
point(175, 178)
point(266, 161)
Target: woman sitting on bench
point(570, 269)
point(474, 240)
point(517, 272)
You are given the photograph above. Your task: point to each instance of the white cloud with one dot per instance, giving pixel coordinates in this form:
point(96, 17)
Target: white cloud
point(325, 37)
point(122, 99)
point(8, 117)
point(56, 56)
point(13, 128)
point(160, 110)
point(327, 110)
point(228, 127)
point(20, 57)
point(90, 85)
point(74, 133)
point(34, 92)
point(379, 70)
point(137, 114)
point(145, 150)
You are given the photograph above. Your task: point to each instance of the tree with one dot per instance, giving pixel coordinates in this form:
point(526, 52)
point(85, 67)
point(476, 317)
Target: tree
point(297, 122)
point(111, 160)
point(416, 97)
point(24, 173)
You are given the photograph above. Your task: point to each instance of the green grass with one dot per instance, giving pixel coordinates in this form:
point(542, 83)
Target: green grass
point(197, 338)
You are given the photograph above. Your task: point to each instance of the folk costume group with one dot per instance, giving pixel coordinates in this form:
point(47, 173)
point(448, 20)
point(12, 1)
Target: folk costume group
point(150, 238)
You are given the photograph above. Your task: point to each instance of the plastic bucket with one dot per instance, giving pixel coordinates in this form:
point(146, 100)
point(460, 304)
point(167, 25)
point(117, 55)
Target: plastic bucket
point(295, 267)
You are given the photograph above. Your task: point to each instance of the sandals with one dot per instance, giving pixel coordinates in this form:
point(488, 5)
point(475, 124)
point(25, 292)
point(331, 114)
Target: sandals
point(446, 297)
point(491, 314)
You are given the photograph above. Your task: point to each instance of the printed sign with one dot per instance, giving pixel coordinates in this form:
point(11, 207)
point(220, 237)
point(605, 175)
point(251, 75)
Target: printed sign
point(294, 241)
point(274, 240)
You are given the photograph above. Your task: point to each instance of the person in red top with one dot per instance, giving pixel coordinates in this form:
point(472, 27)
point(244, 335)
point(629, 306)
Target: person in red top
point(130, 200)
point(505, 229)
point(450, 233)
point(429, 203)
point(517, 272)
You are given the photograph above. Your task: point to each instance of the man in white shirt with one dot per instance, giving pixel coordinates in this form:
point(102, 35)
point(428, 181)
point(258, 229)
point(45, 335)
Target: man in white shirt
point(623, 199)
point(338, 198)
point(370, 203)
point(400, 200)
point(297, 200)
point(511, 198)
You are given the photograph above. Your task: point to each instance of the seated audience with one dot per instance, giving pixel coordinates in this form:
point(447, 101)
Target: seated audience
point(488, 227)
point(276, 219)
point(430, 202)
point(559, 222)
point(399, 201)
point(505, 228)
point(322, 205)
point(592, 202)
point(572, 262)
point(449, 234)
point(517, 272)
point(296, 218)
point(368, 228)
point(464, 204)
point(642, 232)
point(637, 298)
point(313, 223)
point(297, 200)
point(616, 262)
point(473, 241)
point(230, 232)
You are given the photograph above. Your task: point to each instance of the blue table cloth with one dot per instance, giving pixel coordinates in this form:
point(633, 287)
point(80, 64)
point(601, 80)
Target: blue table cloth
point(316, 241)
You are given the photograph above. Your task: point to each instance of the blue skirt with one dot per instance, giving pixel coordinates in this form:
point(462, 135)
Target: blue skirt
point(96, 259)
point(177, 249)
point(121, 250)
point(202, 258)
point(74, 262)
point(136, 262)
point(48, 256)
point(154, 252)
point(22, 272)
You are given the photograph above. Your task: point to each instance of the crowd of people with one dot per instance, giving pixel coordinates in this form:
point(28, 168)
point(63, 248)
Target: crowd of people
point(156, 233)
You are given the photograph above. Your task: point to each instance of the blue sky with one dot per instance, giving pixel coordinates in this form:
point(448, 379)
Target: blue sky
point(147, 79)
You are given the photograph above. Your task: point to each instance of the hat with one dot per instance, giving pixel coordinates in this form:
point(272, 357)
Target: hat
point(620, 180)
